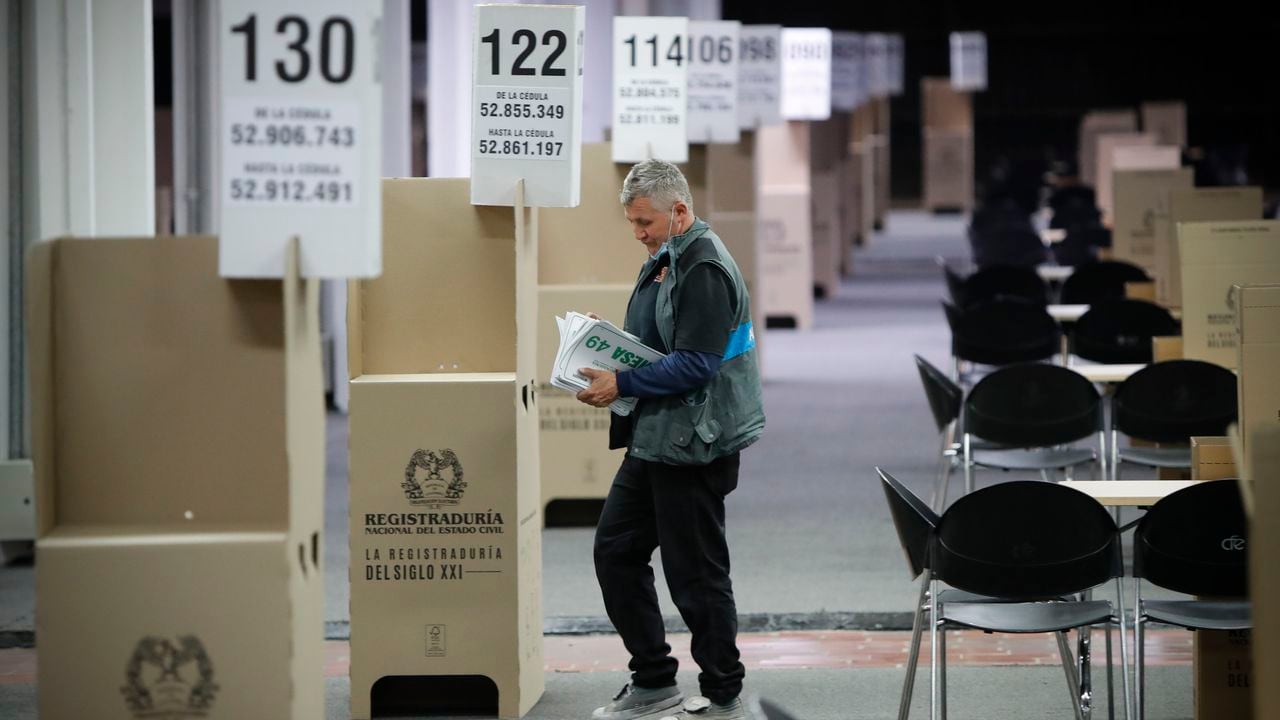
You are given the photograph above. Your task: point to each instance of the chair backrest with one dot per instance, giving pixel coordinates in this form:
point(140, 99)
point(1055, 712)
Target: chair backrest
point(1097, 281)
point(1075, 249)
point(1000, 332)
point(1074, 207)
point(765, 710)
point(1174, 400)
point(915, 522)
point(953, 314)
point(1194, 541)
point(1005, 281)
point(1120, 331)
point(1033, 405)
point(944, 395)
point(955, 283)
point(1026, 540)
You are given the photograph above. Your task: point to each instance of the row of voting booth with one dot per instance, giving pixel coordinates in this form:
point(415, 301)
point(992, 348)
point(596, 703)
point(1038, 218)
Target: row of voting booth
point(179, 427)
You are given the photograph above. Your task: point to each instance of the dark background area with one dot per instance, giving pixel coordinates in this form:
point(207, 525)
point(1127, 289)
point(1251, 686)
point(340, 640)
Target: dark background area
point(1050, 62)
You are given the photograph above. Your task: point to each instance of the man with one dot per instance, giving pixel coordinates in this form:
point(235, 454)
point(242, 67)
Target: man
point(699, 407)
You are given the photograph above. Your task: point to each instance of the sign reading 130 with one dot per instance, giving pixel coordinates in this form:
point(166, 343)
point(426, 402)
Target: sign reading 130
point(335, 46)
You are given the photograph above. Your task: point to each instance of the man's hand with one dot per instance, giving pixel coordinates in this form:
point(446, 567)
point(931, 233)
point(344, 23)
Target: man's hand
point(603, 390)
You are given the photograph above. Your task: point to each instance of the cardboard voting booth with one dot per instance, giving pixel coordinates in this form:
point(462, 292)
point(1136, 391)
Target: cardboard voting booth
point(178, 436)
point(1199, 205)
point(1167, 121)
point(826, 140)
point(786, 228)
point(445, 525)
point(1141, 228)
point(881, 160)
point(1093, 125)
point(1110, 147)
point(1216, 256)
point(1262, 468)
point(948, 146)
point(862, 130)
point(1257, 311)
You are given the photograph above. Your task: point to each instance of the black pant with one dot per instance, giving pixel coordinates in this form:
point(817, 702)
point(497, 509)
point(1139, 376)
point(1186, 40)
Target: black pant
point(679, 509)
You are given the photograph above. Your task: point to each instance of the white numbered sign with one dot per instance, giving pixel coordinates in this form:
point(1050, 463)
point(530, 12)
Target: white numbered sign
point(897, 64)
point(806, 73)
point(759, 76)
point(526, 104)
point(300, 137)
point(713, 81)
point(650, 74)
point(969, 61)
point(876, 46)
point(847, 71)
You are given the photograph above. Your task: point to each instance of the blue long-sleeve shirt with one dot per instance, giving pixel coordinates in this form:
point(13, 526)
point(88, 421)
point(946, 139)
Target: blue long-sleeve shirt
point(675, 374)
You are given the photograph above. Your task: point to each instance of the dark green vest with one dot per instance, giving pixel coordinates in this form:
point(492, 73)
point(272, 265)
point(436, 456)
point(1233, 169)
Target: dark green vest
point(727, 414)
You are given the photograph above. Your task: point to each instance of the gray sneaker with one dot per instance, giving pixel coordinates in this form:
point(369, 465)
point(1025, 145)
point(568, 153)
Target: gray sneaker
point(632, 703)
point(700, 708)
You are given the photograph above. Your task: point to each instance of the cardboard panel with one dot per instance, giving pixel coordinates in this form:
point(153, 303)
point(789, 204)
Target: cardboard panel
point(1212, 458)
point(445, 534)
point(827, 241)
point(948, 169)
point(1167, 121)
point(1097, 123)
point(784, 157)
point(1216, 256)
point(1142, 214)
point(1222, 673)
point(786, 257)
point(1258, 324)
point(731, 177)
point(1262, 468)
point(1107, 146)
point(576, 460)
point(1198, 205)
point(446, 300)
point(945, 108)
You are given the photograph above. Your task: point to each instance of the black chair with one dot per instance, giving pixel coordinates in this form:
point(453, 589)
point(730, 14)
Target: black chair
point(1170, 402)
point(1074, 206)
point(1120, 331)
point(1008, 245)
point(945, 398)
point(762, 709)
point(1080, 246)
point(996, 282)
point(1027, 543)
point(1035, 411)
point(954, 281)
point(1193, 542)
point(1005, 331)
point(1097, 281)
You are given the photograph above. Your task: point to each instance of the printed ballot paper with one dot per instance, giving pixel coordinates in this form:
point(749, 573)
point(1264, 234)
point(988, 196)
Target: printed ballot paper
point(589, 343)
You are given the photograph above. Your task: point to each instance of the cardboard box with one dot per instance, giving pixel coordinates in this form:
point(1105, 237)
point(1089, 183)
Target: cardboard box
point(1258, 324)
point(944, 107)
point(1166, 348)
point(881, 160)
point(948, 169)
point(1212, 458)
point(592, 243)
point(1142, 214)
point(786, 259)
point(1216, 256)
point(178, 437)
point(1094, 124)
point(444, 459)
point(862, 132)
point(1167, 121)
point(1262, 467)
point(785, 224)
point(1199, 205)
point(1108, 144)
point(827, 241)
point(1223, 674)
point(732, 180)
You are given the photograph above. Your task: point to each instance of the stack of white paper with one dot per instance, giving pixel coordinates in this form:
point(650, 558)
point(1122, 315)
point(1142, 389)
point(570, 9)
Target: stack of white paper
point(599, 344)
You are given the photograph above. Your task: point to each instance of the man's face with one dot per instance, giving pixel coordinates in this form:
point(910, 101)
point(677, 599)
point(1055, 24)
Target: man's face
point(652, 226)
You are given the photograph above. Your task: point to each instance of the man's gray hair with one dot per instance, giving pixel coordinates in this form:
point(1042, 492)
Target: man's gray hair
point(658, 180)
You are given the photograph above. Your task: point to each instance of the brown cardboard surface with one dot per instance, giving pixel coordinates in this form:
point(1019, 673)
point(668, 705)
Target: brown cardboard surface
point(1212, 458)
point(850, 210)
point(1145, 290)
point(882, 163)
point(740, 233)
point(593, 242)
point(1263, 468)
point(223, 594)
point(731, 177)
point(1199, 205)
point(786, 256)
point(827, 139)
point(1166, 348)
point(476, 575)
point(948, 169)
point(1142, 213)
point(1097, 123)
point(827, 241)
point(1223, 674)
point(945, 108)
point(1258, 325)
point(1167, 121)
point(447, 264)
point(576, 460)
point(1216, 256)
point(784, 157)
point(1108, 144)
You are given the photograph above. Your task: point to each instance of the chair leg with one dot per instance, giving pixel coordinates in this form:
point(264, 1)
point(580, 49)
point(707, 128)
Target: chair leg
point(1139, 668)
point(913, 660)
point(945, 462)
point(1115, 454)
point(935, 696)
point(942, 667)
point(1084, 665)
point(1102, 453)
point(1068, 666)
point(1124, 651)
point(968, 464)
point(1111, 679)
